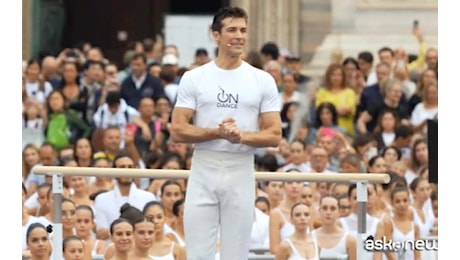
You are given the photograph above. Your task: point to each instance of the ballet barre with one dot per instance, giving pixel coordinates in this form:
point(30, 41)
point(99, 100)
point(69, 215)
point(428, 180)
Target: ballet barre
point(59, 172)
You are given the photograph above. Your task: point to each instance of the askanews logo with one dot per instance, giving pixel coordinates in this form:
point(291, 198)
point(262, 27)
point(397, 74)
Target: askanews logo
point(385, 244)
point(227, 100)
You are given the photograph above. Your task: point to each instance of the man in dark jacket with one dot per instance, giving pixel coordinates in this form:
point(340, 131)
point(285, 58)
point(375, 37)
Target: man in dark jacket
point(140, 83)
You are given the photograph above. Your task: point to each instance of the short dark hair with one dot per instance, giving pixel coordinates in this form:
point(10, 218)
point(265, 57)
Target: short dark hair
point(201, 51)
point(403, 131)
point(271, 49)
point(225, 12)
point(383, 49)
point(366, 56)
point(112, 98)
point(139, 55)
point(167, 74)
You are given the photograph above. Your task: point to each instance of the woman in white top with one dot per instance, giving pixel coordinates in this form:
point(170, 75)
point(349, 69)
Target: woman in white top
point(280, 226)
point(163, 248)
point(399, 227)
point(423, 216)
point(427, 109)
point(73, 248)
point(81, 194)
point(385, 130)
point(178, 225)
point(35, 86)
point(84, 225)
point(332, 239)
point(300, 245)
point(144, 232)
point(27, 221)
point(171, 191)
point(38, 242)
point(121, 233)
point(419, 159)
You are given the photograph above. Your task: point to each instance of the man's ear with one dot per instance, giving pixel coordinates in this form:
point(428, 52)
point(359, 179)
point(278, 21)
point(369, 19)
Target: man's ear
point(216, 36)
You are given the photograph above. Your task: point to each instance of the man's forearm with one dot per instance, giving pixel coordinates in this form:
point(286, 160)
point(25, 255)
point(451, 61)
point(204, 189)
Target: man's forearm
point(262, 138)
point(187, 133)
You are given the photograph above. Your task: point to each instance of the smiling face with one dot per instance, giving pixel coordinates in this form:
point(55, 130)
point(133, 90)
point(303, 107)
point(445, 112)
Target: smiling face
point(122, 236)
point(232, 36)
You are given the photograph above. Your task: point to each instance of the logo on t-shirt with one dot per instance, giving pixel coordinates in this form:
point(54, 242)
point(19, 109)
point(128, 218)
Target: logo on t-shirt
point(227, 100)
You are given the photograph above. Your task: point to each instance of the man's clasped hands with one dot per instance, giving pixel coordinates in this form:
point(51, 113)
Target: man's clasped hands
point(230, 131)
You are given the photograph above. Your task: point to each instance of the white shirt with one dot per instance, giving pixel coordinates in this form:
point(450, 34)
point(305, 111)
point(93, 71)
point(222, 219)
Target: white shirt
point(139, 81)
point(371, 79)
point(259, 233)
point(32, 201)
point(421, 114)
point(108, 204)
point(296, 96)
point(215, 94)
point(171, 92)
point(32, 91)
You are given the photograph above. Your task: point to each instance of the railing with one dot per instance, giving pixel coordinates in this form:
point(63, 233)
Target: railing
point(58, 172)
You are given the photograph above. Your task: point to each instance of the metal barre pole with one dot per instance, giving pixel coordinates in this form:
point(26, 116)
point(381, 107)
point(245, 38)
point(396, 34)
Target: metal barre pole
point(58, 185)
point(183, 174)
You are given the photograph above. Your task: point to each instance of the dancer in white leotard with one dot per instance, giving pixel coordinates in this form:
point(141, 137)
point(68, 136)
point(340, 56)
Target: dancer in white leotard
point(300, 245)
point(178, 225)
point(73, 248)
point(121, 233)
point(399, 227)
point(163, 247)
point(83, 226)
point(143, 236)
point(423, 216)
point(332, 239)
point(280, 226)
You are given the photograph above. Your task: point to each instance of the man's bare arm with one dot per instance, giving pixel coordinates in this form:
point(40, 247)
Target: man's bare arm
point(269, 134)
point(184, 132)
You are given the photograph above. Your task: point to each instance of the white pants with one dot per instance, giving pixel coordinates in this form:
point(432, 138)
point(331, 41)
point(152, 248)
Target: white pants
point(220, 193)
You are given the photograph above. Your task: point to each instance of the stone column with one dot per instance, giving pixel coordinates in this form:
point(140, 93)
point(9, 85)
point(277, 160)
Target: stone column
point(26, 29)
point(272, 20)
point(343, 16)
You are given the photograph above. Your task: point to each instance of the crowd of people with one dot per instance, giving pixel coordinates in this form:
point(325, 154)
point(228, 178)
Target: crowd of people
point(366, 115)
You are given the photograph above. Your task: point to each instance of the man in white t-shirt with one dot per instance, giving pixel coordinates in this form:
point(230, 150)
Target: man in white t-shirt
point(108, 204)
point(235, 109)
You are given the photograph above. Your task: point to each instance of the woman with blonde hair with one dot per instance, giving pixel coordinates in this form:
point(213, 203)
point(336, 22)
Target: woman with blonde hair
point(426, 77)
point(341, 96)
point(427, 109)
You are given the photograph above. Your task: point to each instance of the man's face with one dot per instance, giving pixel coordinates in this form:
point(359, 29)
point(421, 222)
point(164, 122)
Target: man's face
point(293, 65)
point(432, 59)
point(382, 73)
point(124, 162)
point(232, 36)
point(147, 107)
point(386, 57)
point(138, 67)
point(48, 156)
point(289, 83)
point(112, 139)
point(364, 66)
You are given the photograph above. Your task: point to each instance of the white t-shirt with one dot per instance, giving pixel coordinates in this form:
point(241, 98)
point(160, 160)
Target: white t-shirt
point(216, 94)
point(171, 92)
point(32, 91)
point(421, 114)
